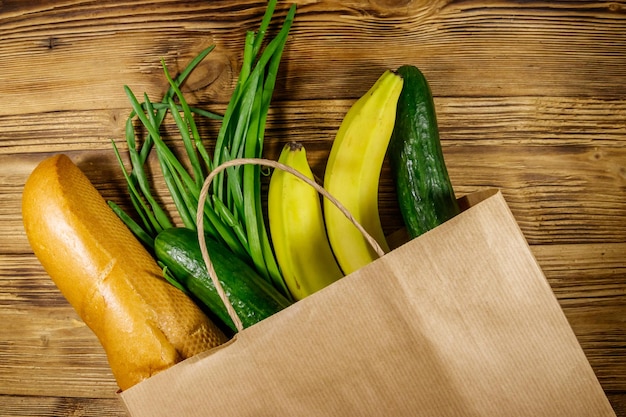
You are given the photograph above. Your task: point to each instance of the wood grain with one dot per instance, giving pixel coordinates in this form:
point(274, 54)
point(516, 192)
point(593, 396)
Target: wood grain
point(530, 96)
point(15, 406)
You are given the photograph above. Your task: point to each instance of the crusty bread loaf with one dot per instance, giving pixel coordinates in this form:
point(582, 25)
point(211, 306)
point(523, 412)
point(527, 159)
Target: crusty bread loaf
point(144, 324)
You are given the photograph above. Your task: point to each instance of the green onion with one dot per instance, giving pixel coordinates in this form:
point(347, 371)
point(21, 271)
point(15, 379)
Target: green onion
point(234, 212)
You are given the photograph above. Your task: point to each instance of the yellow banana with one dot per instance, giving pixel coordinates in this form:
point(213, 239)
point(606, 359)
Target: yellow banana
point(353, 172)
point(297, 227)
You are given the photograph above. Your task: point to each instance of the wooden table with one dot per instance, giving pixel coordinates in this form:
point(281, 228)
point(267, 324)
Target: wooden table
point(531, 99)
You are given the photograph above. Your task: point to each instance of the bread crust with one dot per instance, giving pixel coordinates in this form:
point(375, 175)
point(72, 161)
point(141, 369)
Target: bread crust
point(144, 323)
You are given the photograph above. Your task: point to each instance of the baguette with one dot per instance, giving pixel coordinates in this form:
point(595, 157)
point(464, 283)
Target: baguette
point(144, 324)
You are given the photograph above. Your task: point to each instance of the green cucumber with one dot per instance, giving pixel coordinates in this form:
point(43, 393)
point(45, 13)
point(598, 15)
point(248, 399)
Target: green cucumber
point(252, 297)
point(424, 190)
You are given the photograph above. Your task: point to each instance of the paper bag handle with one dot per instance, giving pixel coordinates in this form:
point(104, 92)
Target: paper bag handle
point(276, 165)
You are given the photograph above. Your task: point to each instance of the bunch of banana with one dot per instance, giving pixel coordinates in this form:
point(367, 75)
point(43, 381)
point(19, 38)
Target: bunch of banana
point(297, 227)
point(353, 171)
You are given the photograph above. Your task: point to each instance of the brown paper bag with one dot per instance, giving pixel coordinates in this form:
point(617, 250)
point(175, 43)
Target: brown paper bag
point(458, 322)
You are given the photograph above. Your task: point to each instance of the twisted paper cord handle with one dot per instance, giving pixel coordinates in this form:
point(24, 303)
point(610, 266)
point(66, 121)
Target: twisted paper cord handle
point(272, 164)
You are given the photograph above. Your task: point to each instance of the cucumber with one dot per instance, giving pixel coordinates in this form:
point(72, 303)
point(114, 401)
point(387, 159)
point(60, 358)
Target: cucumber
point(424, 191)
point(253, 298)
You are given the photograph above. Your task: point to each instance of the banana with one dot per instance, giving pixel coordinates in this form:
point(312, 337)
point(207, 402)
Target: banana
point(353, 171)
point(297, 227)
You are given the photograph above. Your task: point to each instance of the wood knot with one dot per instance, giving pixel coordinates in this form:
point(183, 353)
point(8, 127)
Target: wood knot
point(392, 4)
point(213, 76)
point(52, 42)
point(404, 8)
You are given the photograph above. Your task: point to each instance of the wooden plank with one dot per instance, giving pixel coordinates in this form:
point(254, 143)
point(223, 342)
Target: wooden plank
point(476, 121)
point(19, 406)
point(466, 49)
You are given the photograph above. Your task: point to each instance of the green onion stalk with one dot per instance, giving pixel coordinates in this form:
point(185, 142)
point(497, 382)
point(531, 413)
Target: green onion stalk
point(233, 214)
